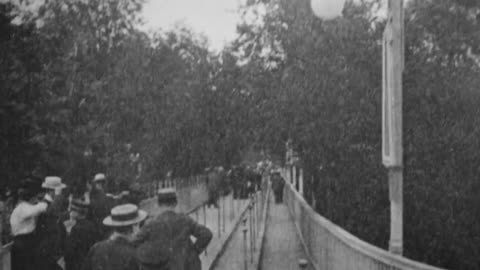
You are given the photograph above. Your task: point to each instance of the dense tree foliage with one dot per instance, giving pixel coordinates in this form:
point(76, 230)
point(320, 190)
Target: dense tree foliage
point(324, 92)
point(84, 90)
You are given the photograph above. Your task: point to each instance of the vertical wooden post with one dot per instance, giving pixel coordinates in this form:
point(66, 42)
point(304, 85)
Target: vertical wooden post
point(300, 181)
point(294, 176)
point(289, 174)
point(393, 64)
point(395, 182)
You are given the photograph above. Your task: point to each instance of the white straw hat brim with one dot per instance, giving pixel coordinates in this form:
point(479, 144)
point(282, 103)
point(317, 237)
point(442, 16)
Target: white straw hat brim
point(108, 221)
point(44, 185)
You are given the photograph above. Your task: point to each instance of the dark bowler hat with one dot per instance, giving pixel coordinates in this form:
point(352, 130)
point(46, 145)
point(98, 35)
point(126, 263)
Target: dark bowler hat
point(29, 187)
point(167, 195)
point(79, 206)
point(124, 215)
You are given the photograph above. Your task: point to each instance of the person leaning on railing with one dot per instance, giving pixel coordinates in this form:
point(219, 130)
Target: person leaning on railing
point(23, 221)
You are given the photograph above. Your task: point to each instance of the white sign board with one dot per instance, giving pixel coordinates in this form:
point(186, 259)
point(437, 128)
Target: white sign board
point(391, 99)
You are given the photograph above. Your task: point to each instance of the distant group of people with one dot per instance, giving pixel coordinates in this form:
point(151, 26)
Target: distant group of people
point(94, 231)
point(245, 180)
point(217, 185)
point(241, 180)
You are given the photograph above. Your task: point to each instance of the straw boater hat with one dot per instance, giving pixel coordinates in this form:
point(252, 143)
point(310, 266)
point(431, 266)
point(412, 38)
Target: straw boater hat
point(124, 215)
point(53, 182)
point(99, 177)
point(167, 195)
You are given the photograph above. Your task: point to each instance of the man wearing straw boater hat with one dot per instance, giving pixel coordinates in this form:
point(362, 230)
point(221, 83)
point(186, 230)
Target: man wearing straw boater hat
point(50, 229)
point(82, 234)
point(165, 243)
point(117, 253)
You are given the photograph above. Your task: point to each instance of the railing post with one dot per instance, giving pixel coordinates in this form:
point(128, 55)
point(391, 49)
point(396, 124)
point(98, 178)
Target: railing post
point(300, 181)
point(204, 220)
point(245, 252)
point(251, 230)
point(223, 212)
point(294, 177)
point(232, 208)
point(290, 175)
point(218, 223)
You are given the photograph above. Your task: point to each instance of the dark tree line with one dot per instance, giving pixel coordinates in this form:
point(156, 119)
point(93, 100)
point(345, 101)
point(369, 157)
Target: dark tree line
point(83, 89)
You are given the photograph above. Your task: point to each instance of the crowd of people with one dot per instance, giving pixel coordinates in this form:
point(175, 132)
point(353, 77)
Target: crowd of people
point(84, 228)
point(54, 229)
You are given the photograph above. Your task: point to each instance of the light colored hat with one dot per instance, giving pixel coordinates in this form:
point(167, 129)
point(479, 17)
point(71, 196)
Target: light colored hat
point(53, 182)
point(99, 177)
point(124, 215)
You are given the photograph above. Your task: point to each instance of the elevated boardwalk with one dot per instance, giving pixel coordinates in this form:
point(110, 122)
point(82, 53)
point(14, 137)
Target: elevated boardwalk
point(294, 231)
point(282, 248)
point(259, 234)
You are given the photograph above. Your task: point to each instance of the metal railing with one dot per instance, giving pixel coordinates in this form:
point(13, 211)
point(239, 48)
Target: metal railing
point(254, 224)
point(328, 246)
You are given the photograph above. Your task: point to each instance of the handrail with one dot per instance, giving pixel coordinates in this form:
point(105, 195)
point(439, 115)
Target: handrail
point(332, 247)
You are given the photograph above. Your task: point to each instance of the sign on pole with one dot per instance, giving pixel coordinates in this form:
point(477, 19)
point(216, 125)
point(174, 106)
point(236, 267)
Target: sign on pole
point(392, 55)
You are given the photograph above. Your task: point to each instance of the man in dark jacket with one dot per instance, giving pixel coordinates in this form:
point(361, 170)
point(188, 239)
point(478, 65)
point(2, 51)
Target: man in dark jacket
point(117, 253)
point(82, 234)
point(50, 230)
point(100, 204)
point(237, 180)
point(213, 187)
point(277, 186)
point(165, 243)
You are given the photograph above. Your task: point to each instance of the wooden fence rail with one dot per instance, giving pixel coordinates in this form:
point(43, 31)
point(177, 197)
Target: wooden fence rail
point(329, 247)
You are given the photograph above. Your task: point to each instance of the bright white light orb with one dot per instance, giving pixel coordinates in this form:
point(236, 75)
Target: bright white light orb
point(327, 9)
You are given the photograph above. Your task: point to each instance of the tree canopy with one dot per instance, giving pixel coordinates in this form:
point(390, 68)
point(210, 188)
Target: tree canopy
point(84, 90)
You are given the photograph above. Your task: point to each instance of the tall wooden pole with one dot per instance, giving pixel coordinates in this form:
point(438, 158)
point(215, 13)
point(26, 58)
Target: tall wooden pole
point(393, 64)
